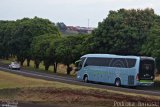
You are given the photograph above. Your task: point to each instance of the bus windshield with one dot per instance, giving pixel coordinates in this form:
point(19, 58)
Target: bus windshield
point(80, 63)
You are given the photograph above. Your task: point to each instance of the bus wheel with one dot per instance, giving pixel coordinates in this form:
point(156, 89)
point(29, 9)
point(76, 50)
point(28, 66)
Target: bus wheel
point(86, 78)
point(117, 82)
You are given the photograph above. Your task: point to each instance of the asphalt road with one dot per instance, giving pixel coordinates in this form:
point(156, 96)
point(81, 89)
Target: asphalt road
point(71, 80)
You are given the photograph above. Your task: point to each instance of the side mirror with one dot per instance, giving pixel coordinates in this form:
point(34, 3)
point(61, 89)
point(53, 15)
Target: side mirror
point(77, 62)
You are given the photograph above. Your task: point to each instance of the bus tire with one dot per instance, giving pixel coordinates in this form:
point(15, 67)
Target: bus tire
point(117, 82)
point(85, 78)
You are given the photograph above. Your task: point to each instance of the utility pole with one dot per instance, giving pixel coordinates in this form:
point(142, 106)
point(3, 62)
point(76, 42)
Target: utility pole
point(88, 22)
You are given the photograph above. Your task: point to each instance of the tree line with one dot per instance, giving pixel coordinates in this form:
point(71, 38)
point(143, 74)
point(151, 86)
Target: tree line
point(123, 32)
point(39, 40)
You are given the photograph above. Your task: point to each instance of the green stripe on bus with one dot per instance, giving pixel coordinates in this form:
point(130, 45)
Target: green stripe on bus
point(146, 81)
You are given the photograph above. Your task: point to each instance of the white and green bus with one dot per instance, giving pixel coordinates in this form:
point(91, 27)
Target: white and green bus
point(116, 69)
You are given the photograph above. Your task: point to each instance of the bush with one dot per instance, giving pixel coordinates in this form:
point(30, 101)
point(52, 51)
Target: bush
point(158, 65)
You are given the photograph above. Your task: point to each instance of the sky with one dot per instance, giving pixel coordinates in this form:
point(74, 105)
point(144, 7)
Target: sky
point(71, 12)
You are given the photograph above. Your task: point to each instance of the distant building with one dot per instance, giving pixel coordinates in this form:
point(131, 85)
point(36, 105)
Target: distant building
point(74, 29)
point(81, 30)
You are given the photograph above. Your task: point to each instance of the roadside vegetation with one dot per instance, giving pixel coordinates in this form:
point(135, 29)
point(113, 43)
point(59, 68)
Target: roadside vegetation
point(61, 68)
point(24, 89)
point(158, 77)
point(123, 32)
point(157, 82)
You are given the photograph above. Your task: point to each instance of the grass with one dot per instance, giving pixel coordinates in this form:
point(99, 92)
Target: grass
point(157, 82)
point(157, 78)
point(20, 88)
point(9, 80)
point(61, 67)
point(41, 66)
point(6, 61)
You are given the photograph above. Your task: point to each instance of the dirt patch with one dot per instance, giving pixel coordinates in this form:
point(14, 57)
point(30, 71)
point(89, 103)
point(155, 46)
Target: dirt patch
point(67, 96)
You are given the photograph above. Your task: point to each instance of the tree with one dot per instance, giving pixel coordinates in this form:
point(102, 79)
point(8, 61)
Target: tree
point(122, 32)
point(68, 50)
point(52, 54)
point(39, 48)
point(61, 26)
point(152, 45)
point(25, 30)
point(6, 33)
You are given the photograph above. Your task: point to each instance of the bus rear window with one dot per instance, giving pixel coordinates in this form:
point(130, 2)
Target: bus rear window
point(147, 68)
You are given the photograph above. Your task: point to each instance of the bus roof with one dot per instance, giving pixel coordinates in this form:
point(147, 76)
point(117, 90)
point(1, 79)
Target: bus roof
point(114, 56)
point(149, 58)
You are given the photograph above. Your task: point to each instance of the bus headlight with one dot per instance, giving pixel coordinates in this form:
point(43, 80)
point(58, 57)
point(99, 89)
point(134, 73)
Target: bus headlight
point(78, 76)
